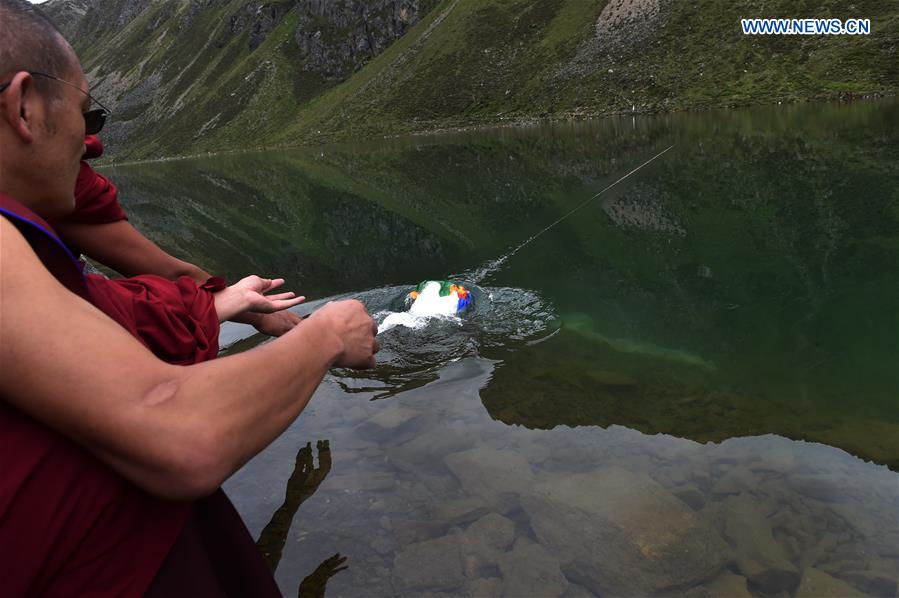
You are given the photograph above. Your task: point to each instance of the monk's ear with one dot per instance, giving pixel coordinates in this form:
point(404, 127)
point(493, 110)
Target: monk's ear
point(18, 106)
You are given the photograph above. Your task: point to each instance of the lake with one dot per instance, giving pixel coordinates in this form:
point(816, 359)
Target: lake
point(687, 386)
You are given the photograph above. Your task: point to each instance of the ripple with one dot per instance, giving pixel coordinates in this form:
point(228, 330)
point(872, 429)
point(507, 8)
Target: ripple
point(414, 348)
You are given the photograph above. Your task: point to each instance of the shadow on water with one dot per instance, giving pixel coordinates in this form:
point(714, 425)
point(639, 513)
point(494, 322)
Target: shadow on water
point(314, 584)
point(302, 484)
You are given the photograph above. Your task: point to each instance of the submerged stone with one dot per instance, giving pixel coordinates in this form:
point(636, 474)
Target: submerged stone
point(735, 480)
point(728, 584)
point(484, 586)
point(493, 531)
point(393, 417)
point(530, 570)
point(432, 566)
point(461, 511)
point(622, 533)
point(759, 556)
point(818, 584)
point(691, 495)
point(880, 579)
point(494, 475)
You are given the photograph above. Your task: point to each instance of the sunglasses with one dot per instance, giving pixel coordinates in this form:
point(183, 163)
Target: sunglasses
point(93, 119)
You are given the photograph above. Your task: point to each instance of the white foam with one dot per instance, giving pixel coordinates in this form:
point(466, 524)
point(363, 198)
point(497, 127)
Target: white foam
point(402, 318)
point(430, 303)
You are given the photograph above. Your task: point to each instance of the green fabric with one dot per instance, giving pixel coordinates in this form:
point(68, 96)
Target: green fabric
point(444, 286)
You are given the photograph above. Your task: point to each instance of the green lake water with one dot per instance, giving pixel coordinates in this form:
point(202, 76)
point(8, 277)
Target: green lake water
point(690, 386)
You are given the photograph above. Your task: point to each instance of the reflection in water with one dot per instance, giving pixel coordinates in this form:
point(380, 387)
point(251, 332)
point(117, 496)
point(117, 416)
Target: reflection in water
point(435, 497)
point(671, 377)
point(573, 381)
point(303, 483)
point(313, 586)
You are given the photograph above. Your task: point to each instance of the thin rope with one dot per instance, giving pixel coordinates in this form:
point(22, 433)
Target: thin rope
point(491, 267)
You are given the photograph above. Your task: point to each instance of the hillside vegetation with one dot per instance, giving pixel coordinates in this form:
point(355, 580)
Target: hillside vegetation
point(187, 77)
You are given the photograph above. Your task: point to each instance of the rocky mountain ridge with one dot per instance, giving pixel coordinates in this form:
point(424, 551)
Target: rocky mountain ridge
point(184, 77)
point(156, 61)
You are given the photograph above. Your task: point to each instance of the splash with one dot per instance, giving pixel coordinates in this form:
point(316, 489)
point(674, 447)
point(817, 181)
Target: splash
point(392, 319)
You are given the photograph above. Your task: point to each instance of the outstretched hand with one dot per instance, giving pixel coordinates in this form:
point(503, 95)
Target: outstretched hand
point(248, 295)
point(253, 289)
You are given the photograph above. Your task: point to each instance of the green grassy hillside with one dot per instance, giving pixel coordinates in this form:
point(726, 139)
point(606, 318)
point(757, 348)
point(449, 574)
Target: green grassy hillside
point(190, 77)
point(486, 62)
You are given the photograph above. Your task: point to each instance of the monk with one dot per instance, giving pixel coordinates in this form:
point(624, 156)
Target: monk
point(99, 229)
point(112, 459)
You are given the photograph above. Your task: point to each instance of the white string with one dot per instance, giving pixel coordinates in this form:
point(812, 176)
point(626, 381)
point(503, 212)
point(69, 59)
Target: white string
point(493, 266)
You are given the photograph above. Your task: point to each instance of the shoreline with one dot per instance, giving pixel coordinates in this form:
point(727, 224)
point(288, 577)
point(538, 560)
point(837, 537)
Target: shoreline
point(571, 116)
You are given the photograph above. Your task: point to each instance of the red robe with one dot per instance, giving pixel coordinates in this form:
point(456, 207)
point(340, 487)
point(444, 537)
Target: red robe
point(69, 525)
point(96, 198)
point(176, 320)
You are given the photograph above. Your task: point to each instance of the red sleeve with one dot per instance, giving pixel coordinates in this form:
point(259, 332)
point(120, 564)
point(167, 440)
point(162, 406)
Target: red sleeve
point(96, 199)
point(93, 147)
point(176, 320)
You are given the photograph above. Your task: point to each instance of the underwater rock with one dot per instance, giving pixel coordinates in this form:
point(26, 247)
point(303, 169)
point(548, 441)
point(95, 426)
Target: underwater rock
point(825, 487)
point(622, 533)
point(423, 447)
point(779, 459)
point(461, 511)
point(383, 545)
point(530, 570)
point(759, 556)
point(483, 543)
point(735, 480)
point(365, 481)
point(836, 567)
point(470, 555)
point(535, 452)
point(493, 531)
point(494, 475)
point(818, 584)
point(484, 586)
point(410, 531)
point(819, 544)
point(393, 417)
point(879, 579)
point(577, 591)
point(691, 495)
point(432, 566)
point(728, 584)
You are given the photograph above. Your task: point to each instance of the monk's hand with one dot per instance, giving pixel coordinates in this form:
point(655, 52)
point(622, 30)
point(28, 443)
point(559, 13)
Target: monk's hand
point(354, 330)
point(248, 295)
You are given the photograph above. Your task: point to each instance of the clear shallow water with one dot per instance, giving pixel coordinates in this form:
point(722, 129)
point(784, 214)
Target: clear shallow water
point(688, 387)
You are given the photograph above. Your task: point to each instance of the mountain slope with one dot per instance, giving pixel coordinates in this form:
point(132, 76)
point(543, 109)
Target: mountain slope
point(184, 77)
point(177, 73)
point(519, 58)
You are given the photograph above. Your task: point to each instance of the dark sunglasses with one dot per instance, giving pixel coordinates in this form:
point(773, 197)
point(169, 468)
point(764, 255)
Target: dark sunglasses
point(93, 119)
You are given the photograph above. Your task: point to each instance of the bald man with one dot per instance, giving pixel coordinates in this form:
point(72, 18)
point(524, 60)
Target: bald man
point(107, 451)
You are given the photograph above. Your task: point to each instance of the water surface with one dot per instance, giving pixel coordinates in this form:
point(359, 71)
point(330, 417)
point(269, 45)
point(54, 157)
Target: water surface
point(687, 387)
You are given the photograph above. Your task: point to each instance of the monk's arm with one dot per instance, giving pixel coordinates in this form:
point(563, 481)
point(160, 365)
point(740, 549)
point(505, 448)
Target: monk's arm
point(177, 432)
point(124, 249)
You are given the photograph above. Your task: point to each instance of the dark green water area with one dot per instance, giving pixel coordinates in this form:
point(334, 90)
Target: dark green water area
point(688, 387)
